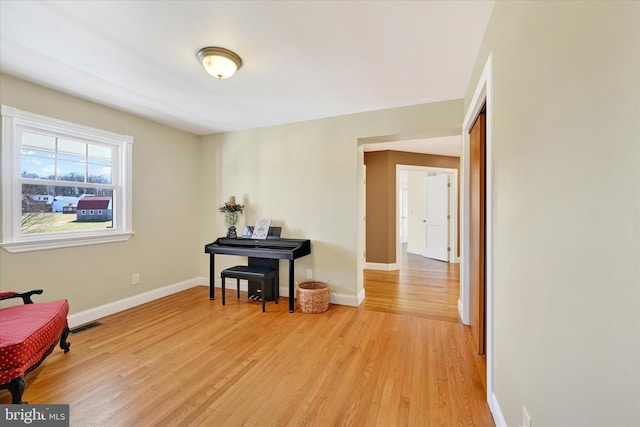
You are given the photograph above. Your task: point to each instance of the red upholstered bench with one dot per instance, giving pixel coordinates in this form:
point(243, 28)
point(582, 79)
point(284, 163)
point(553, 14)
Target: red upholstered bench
point(28, 334)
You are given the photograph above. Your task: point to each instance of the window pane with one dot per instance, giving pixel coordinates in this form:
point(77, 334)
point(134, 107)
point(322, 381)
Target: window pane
point(99, 154)
point(72, 148)
point(71, 171)
point(99, 168)
point(38, 167)
point(37, 142)
point(72, 157)
point(99, 174)
point(54, 209)
point(38, 153)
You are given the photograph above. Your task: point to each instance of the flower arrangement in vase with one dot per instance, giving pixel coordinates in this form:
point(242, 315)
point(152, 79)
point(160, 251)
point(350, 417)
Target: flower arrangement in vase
point(231, 210)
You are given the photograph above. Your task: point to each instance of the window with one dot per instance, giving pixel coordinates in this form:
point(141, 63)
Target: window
point(53, 173)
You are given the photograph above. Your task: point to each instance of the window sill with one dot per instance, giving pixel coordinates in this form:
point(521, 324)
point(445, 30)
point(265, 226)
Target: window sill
point(68, 242)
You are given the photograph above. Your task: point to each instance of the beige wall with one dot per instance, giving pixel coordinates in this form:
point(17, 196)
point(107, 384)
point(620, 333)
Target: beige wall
point(166, 194)
point(304, 177)
point(381, 198)
point(567, 210)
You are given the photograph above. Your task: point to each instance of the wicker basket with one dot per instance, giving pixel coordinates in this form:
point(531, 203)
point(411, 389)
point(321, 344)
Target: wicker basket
point(313, 297)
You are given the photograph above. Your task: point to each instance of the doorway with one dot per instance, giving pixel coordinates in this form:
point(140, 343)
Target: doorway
point(431, 198)
point(385, 197)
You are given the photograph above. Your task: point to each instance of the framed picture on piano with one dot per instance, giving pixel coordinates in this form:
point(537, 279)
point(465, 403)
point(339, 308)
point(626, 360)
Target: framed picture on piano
point(261, 230)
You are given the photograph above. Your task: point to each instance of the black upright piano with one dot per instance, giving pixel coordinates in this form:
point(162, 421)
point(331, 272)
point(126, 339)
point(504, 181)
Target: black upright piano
point(263, 252)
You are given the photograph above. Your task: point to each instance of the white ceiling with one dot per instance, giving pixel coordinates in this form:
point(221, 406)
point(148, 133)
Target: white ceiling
point(303, 60)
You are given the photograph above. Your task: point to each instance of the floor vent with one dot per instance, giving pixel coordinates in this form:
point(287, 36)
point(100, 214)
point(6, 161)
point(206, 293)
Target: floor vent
point(85, 327)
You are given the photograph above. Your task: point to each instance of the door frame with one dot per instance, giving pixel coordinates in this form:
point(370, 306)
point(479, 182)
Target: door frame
point(404, 227)
point(453, 206)
point(483, 95)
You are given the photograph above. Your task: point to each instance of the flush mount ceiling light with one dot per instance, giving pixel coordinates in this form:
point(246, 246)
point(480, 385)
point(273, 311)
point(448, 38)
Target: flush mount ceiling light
point(221, 63)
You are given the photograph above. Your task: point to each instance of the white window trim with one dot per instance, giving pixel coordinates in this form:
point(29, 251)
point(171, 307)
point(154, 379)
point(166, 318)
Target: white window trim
point(12, 239)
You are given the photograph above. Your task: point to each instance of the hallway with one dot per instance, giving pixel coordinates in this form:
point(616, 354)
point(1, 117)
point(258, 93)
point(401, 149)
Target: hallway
point(423, 287)
point(428, 289)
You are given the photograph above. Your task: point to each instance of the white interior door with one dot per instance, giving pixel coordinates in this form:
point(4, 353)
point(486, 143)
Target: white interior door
point(437, 216)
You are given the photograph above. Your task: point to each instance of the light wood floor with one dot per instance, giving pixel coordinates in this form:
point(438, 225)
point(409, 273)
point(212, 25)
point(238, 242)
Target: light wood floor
point(185, 360)
point(422, 287)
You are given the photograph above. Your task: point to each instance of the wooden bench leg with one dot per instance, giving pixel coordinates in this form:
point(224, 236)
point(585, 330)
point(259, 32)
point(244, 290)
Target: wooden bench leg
point(276, 289)
point(238, 287)
point(264, 295)
point(223, 300)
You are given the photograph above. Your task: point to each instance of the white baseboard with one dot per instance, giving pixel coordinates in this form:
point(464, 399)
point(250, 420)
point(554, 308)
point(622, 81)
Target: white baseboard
point(494, 406)
point(350, 300)
point(453, 260)
point(416, 252)
point(381, 266)
point(95, 313)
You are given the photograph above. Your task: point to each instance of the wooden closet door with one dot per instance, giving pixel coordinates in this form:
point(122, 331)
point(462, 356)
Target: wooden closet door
point(477, 232)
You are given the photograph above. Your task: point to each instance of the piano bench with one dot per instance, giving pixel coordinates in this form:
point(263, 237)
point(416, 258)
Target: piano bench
point(254, 274)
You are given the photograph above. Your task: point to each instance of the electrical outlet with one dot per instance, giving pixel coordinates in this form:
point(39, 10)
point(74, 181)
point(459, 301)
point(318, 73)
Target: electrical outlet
point(135, 279)
point(526, 418)
point(309, 274)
